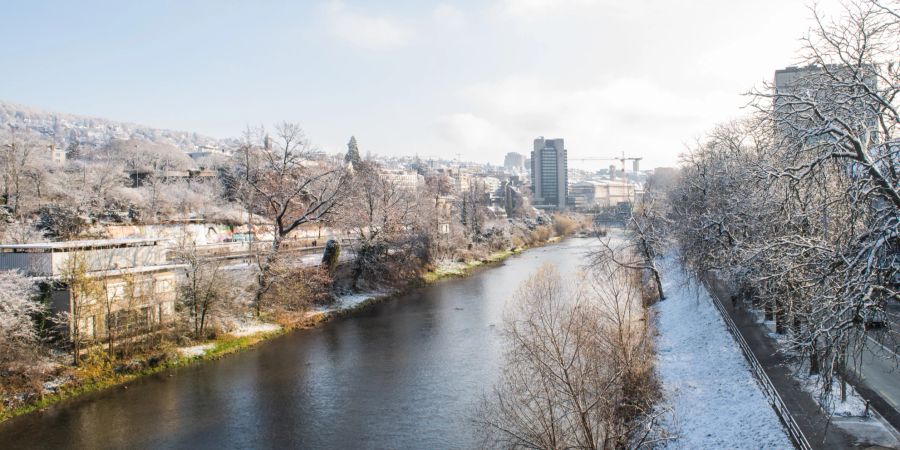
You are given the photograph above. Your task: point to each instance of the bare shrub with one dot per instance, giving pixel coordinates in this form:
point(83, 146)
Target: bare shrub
point(539, 235)
point(577, 369)
point(564, 225)
point(300, 288)
point(204, 290)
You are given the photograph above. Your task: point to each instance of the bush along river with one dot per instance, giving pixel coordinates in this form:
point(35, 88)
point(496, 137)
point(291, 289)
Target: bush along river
point(408, 372)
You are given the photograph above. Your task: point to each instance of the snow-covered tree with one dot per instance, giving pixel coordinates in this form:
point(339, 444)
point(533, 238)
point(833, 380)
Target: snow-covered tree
point(19, 338)
point(22, 170)
point(799, 204)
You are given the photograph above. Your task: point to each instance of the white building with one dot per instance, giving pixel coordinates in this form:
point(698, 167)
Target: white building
point(207, 150)
point(57, 155)
point(604, 193)
point(404, 179)
point(491, 184)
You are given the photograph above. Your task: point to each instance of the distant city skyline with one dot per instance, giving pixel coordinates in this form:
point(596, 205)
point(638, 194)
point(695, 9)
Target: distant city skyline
point(407, 78)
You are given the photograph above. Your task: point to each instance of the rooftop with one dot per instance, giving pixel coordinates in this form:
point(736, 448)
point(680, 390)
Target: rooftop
point(81, 245)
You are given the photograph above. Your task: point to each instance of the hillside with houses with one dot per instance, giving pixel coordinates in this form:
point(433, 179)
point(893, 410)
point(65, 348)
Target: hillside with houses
point(65, 130)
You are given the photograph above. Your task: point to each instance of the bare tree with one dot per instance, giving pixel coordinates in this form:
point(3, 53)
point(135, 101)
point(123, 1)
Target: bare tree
point(576, 371)
point(646, 240)
point(83, 291)
point(204, 287)
point(471, 209)
point(838, 154)
point(381, 214)
point(282, 179)
point(19, 156)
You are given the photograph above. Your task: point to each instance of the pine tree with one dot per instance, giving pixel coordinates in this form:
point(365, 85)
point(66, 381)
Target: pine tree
point(353, 153)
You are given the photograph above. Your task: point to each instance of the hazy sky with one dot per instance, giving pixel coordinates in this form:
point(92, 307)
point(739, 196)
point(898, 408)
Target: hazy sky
point(479, 78)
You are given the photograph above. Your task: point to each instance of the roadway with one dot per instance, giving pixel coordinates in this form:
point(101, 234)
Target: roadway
point(880, 375)
point(816, 426)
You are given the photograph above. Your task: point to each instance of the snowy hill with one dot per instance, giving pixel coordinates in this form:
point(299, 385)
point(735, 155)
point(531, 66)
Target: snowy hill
point(94, 132)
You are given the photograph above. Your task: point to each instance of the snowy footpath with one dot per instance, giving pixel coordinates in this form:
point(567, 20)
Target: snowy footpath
point(715, 399)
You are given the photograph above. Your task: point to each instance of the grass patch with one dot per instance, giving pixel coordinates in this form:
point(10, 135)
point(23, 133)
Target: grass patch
point(460, 271)
point(231, 344)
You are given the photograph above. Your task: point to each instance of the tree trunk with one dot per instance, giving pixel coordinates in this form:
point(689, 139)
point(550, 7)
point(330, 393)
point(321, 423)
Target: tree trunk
point(263, 279)
point(658, 281)
point(814, 360)
point(779, 319)
point(75, 332)
point(842, 374)
point(202, 323)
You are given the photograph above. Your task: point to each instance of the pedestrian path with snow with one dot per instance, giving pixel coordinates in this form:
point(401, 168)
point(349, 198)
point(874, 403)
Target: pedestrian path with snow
point(715, 399)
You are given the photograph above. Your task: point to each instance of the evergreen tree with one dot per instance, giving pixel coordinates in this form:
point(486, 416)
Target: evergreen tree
point(73, 151)
point(509, 202)
point(353, 153)
point(331, 256)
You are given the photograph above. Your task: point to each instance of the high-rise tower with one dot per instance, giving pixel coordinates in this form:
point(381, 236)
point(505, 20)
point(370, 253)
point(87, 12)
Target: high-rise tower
point(549, 173)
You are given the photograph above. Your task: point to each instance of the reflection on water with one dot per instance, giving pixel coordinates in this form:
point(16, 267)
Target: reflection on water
point(405, 374)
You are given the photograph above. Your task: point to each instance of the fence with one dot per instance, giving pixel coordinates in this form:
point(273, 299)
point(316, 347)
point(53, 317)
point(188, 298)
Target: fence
point(794, 431)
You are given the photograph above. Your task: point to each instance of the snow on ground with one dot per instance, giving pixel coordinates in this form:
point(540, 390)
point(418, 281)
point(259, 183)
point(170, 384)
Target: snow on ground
point(715, 399)
point(248, 329)
point(197, 350)
point(854, 406)
point(55, 383)
point(350, 300)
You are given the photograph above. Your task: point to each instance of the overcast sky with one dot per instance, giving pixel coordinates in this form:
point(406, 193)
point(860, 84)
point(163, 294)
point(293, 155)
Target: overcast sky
point(478, 78)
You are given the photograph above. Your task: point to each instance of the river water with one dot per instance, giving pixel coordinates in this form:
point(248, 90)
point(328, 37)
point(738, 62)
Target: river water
point(407, 373)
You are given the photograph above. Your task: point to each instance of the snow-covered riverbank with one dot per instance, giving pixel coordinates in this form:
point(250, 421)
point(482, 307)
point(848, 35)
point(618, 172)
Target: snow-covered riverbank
point(715, 399)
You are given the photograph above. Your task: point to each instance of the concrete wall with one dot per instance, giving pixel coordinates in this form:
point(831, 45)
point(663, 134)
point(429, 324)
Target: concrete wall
point(40, 264)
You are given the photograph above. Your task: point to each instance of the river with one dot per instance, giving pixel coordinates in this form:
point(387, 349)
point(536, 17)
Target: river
point(407, 373)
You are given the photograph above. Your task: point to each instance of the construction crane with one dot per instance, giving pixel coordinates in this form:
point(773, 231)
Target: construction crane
point(622, 159)
point(635, 166)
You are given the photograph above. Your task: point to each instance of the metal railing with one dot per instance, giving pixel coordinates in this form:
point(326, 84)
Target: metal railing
point(794, 431)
